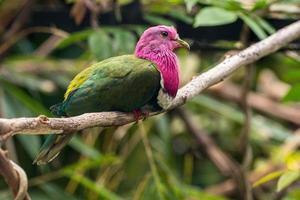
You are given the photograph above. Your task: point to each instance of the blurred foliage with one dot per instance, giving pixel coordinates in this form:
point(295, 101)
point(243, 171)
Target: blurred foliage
point(111, 163)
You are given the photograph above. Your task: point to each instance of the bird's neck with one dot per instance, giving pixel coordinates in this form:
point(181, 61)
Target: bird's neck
point(168, 66)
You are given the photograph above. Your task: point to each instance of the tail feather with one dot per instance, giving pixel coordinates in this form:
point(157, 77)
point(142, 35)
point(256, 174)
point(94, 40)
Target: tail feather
point(51, 148)
point(54, 143)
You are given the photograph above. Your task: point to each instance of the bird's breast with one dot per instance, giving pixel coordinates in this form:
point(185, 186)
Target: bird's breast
point(164, 100)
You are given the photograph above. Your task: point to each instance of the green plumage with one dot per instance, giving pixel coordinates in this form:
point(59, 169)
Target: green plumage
point(122, 83)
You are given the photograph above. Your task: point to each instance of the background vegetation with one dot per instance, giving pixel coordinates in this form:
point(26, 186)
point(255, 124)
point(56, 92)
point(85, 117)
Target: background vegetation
point(200, 150)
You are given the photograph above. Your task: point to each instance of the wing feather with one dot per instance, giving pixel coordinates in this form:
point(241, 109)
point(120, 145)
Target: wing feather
point(78, 81)
point(122, 83)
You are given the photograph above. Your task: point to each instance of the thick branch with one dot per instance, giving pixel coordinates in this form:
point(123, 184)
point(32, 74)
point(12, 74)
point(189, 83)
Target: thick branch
point(44, 125)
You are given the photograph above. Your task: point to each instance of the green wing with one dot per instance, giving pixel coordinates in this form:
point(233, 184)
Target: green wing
point(121, 83)
point(84, 75)
point(78, 80)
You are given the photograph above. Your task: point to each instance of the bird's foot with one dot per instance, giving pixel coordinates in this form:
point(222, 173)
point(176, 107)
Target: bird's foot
point(138, 114)
point(145, 115)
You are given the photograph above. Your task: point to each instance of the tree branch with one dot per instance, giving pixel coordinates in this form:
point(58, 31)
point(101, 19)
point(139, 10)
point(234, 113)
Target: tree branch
point(14, 176)
point(44, 125)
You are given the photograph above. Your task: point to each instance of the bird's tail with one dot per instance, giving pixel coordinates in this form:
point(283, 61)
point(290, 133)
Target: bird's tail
point(52, 147)
point(54, 143)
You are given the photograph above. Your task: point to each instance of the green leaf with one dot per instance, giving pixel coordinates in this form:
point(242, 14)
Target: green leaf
point(260, 4)
point(265, 24)
point(141, 187)
point(151, 191)
point(268, 178)
point(292, 195)
point(29, 81)
point(83, 148)
point(197, 193)
point(181, 15)
point(138, 29)
point(124, 42)
point(286, 179)
point(292, 75)
point(100, 45)
point(30, 103)
point(88, 164)
point(11, 107)
point(233, 5)
point(293, 94)
point(101, 190)
point(155, 19)
point(75, 37)
point(213, 16)
point(253, 25)
point(56, 192)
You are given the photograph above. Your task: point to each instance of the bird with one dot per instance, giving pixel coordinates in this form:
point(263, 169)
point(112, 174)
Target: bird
point(146, 81)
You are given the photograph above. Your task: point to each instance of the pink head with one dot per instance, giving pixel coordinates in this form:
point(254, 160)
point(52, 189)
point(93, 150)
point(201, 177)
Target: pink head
point(159, 38)
point(157, 44)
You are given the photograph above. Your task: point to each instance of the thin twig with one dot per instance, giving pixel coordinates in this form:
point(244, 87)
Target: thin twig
point(245, 148)
point(20, 19)
point(23, 182)
point(246, 87)
point(39, 29)
point(48, 46)
point(44, 125)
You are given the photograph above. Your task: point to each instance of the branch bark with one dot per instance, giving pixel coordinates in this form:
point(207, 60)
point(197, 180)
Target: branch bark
point(14, 176)
point(44, 125)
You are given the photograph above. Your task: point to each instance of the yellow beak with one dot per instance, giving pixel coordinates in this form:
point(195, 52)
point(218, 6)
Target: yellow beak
point(183, 43)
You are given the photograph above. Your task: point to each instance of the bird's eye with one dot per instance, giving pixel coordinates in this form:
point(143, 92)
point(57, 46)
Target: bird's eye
point(164, 33)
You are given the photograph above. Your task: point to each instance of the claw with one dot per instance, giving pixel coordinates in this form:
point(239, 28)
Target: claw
point(137, 114)
point(145, 115)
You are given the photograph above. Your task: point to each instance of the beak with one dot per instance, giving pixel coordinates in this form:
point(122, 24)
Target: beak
point(183, 43)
